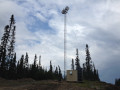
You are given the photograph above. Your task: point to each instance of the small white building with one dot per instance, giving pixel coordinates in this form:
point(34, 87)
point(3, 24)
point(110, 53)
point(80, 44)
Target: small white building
point(72, 75)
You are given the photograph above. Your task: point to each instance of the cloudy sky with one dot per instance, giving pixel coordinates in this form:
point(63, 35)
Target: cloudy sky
point(40, 30)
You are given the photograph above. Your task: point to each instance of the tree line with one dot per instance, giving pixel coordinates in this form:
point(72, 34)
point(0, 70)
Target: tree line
point(10, 68)
point(117, 82)
point(88, 72)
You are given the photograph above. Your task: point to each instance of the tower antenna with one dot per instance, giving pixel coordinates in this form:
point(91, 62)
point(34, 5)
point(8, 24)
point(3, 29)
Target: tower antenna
point(64, 11)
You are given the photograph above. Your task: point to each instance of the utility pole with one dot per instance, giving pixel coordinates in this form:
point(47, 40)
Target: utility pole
point(64, 11)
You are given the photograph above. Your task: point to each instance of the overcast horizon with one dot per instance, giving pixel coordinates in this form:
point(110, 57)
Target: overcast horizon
point(40, 30)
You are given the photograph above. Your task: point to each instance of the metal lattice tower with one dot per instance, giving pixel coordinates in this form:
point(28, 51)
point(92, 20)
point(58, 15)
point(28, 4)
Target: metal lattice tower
point(64, 11)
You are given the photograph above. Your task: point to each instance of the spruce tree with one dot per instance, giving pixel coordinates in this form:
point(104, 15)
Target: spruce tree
point(4, 43)
point(72, 65)
point(117, 82)
point(3, 51)
point(84, 71)
point(7, 47)
point(89, 71)
point(94, 72)
point(11, 45)
point(12, 68)
point(20, 67)
point(77, 63)
point(97, 76)
point(35, 61)
point(78, 68)
point(34, 69)
point(26, 60)
point(59, 74)
point(26, 65)
point(88, 64)
point(51, 68)
point(39, 65)
point(50, 72)
point(56, 71)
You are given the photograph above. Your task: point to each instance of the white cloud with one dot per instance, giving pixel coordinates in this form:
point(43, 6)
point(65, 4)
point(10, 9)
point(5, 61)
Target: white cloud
point(42, 18)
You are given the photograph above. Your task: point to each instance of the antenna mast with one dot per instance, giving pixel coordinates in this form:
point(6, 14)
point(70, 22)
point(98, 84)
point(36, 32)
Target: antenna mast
point(64, 11)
